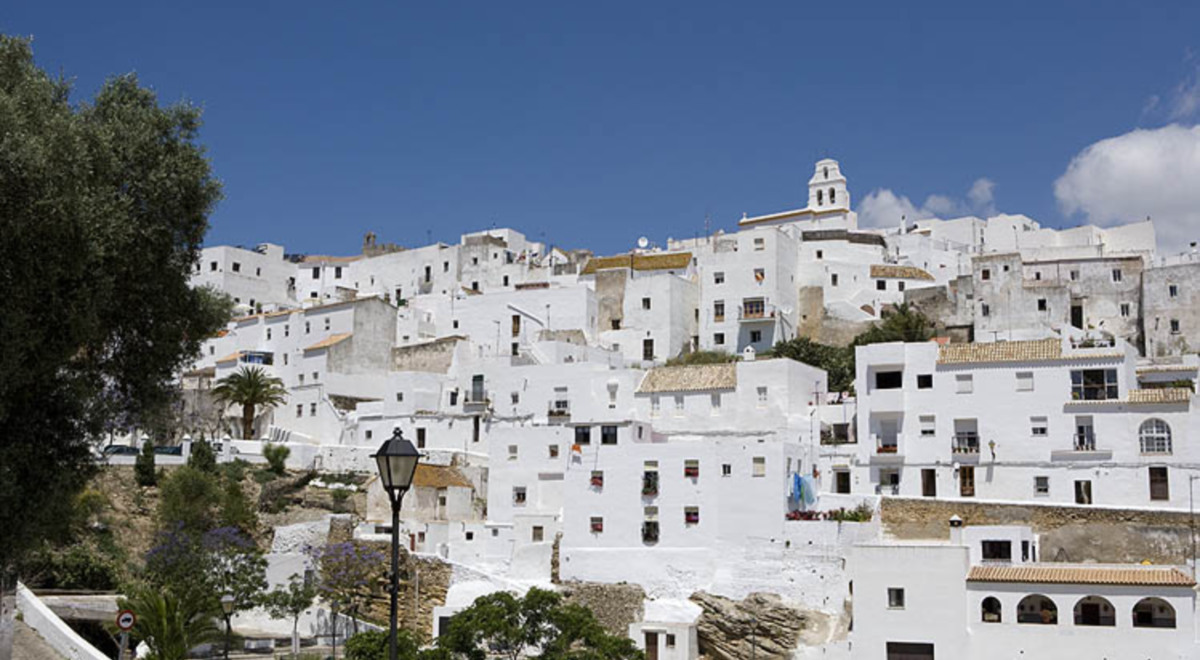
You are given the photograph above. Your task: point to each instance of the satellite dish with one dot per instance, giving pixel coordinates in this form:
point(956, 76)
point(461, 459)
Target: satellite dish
point(643, 242)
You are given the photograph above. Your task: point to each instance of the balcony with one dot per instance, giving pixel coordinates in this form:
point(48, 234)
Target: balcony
point(1083, 448)
point(887, 489)
point(755, 311)
point(965, 445)
point(559, 411)
point(887, 450)
point(476, 400)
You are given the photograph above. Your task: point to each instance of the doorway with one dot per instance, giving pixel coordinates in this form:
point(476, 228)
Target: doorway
point(966, 481)
point(1077, 314)
point(841, 483)
point(651, 646)
point(929, 482)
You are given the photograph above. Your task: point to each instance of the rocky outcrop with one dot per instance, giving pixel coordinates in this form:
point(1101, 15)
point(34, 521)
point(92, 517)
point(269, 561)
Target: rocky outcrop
point(761, 626)
point(616, 606)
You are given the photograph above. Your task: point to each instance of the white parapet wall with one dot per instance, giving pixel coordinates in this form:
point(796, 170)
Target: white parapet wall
point(54, 630)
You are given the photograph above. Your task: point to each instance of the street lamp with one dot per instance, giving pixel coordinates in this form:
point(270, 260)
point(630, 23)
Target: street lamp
point(397, 460)
point(227, 608)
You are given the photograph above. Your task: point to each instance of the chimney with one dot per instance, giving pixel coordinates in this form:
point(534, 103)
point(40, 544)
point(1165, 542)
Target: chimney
point(956, 529)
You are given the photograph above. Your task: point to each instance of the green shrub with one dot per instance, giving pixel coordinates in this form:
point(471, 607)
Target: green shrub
point(373, 645)
point(234, 470)
point(203, 457)
point(276, 456)
point(701, 357)
point(190, 498)
point(143, 467)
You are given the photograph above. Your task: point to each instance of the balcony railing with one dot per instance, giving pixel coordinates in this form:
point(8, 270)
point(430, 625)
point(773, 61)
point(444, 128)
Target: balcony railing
point(965, 443)
point(1085, 441)
point(887, 489)
point(756, 312)
point(887, 446)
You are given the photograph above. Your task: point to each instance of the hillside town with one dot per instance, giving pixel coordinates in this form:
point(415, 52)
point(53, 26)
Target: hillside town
point(631, 421)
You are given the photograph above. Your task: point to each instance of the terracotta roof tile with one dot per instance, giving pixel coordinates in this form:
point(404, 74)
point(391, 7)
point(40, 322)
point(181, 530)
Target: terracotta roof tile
point(231, 357)
point(1142, 576)
point(329, 341)
point(1035, 350)
point(694, 378)
point(899, 272)
point(670, 261)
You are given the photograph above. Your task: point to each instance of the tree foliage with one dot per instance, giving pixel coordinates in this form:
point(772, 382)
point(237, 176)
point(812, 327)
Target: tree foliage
point(373, 645)
point(103, 209)
point(203, 458)
point(289, 602)
point(170, 625)
point(346, 573)
point(143, 466)
point(200, 568)
point(250, 388)
point(537, 625)
point(701, 357)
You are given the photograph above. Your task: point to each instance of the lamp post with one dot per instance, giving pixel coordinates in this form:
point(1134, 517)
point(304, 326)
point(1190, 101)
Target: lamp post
point(397, 459)
point(227, 608)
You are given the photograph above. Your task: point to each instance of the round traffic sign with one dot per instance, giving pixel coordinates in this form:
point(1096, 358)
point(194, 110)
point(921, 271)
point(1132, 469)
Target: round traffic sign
point(125, 620)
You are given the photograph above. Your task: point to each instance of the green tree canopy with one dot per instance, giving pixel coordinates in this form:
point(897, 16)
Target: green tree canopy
point(103, 209)
point(170, 625)
point(250, 387)
point(537, 625)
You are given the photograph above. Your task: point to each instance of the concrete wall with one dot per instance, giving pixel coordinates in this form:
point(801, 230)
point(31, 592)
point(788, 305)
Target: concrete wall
point(54, 630)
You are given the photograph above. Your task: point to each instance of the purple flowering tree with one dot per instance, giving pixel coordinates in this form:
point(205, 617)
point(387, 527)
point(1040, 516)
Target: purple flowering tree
point(345, 574)
point(199, 569)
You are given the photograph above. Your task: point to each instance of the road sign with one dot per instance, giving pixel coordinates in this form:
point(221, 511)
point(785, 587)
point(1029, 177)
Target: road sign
point(125, 620)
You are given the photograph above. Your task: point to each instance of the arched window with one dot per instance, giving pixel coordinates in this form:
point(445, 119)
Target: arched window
point(991, 610)
point(831, 199)
point(1155, 436)
point(1038, 609)
point(1094, 611)
point(820, 197)
point(826, 172)
point(1153, 613)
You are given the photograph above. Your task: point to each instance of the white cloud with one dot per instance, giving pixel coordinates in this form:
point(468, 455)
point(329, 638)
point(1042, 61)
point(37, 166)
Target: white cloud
point(1142, 173)
point(884, 208)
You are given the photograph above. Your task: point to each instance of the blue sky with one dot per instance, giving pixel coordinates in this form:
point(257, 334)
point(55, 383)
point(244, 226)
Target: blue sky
point(591, 124)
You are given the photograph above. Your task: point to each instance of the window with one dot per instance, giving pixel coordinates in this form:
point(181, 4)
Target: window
point(307, 327)
point(1094, 384)
point(1039, 427)
point(506, 280)
point(997, 551)
point(762, 395)
point(312, 409)
point(399, 397)
point(985, 274)
point(645, 303)
point(759, 275)
point(1160, 489)
point(759, 466)
point(889, 380)
point(991, 610)
point(719, 338)
point(820, 197)
point(553, 449)
point(1037, 609)
point(900, 285)
point(518, 495)
point(268, 334)
point(678, 404)
point(337, 272)
point(1024, 381)
point(928, 425)
point(895, 598)
point(691, 515)
point(1174, 326)
point(285, 359)
point(1154, 436)
point(287, 331)
point(470, 536)
point(237, 268)
point(1041, 485)
point(1124, 309)
point(719, 277)
point(670, 641)
point(299, 410)
point(1074, 276)
point(648, 349)
point(1042, 305)
point(1037, 275)
point(1094, 611)
point(650, 525)
point(726, 469)
point(583, 435)
point(512, 452)
point(833, 279)
point(597, 480)
point(615, 323)
point(1083, 492)
point(369, 434)
point(301, 378)
point(964, 383)
point(597, 525)
point(1173, 290)
point(538, 534)
point(316, 273)
point(924, 381)
point(984, 310)
point(1116, 275)
point(655, 404)
point(831, 194)
point(608, 435)
point(881, 285)
point(691, 468)
point(759, 244)
point(715, 403)
point(755, 336)
point(316, 376)
point(1153, 613)
point(212, 266)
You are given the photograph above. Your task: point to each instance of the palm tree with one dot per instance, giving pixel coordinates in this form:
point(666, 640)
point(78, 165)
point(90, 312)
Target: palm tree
point(250, 387)
point(169, 625)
